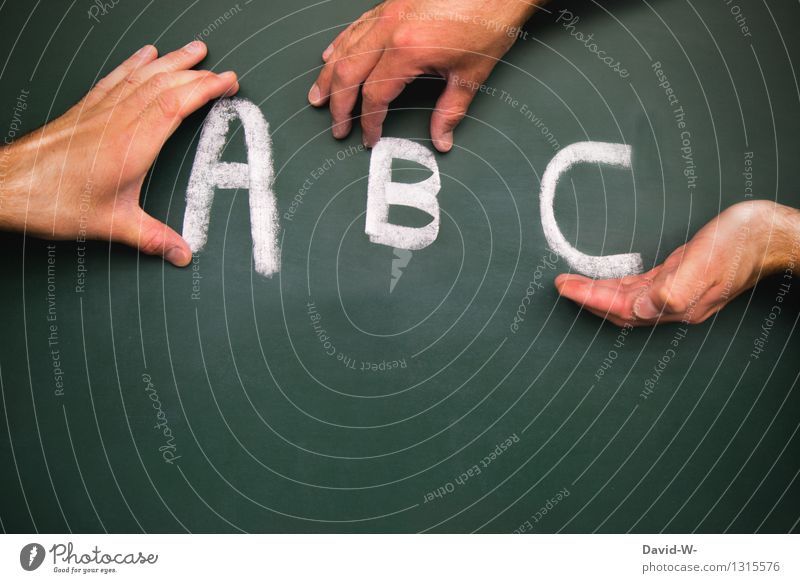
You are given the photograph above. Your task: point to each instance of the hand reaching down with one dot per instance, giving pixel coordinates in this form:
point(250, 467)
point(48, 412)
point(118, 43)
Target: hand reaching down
point(746, 242)
point(398, 40)
point(81, 175)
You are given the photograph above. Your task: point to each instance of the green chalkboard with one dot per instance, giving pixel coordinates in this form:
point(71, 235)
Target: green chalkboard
point(350, 393)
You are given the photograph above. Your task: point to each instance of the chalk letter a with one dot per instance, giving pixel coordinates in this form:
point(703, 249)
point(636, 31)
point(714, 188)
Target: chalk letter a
point(382, 193)
point(600, 267)
point(209, 173)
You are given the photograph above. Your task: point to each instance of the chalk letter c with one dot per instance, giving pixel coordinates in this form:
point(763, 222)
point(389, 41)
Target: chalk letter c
point(599, 267)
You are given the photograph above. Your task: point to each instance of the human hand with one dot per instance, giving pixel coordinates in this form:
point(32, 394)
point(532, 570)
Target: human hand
point(81, 175)
point(746, 242)
point(398, 40)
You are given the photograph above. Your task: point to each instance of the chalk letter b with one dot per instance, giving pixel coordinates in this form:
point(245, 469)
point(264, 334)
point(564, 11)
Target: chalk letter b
point(209, 173)
point(600, 267)
point(382, 193)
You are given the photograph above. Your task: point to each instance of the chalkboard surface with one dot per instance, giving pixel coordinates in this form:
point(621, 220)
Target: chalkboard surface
point(450, 389)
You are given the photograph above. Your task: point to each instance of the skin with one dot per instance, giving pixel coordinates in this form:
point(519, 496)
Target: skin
point(82, 174)
point(728, 256)
point(399, 40)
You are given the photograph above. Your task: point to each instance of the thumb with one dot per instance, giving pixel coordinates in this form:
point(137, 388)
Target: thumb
point(677, 287)
point(450, 110)
point(671, 296)
point(651, 304)
point(153, 237)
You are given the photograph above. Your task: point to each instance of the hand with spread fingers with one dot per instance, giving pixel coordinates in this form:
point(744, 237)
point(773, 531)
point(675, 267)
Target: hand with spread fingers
point(397, 41)
point(81, 175)
point(728, 256)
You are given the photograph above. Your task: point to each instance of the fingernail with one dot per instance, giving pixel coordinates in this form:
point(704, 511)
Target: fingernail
point(341, 130)
point(327, 52)
point(314, 94)
point(445, 143)
point(563, 279)
point(369, 141)
point(144, 51)
point(645, 309)
point(178, 256)
point(195, 47)
point(228, 76)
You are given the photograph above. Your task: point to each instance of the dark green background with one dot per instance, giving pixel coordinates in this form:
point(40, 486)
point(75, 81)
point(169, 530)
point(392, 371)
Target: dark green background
point(276, 436)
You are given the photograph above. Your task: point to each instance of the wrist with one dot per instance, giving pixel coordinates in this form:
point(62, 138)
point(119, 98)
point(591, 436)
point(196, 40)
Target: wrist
point(6, 187)
point(14, 188)
point(781, 229)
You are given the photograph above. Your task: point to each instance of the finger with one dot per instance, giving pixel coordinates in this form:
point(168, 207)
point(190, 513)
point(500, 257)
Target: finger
point(671, 301)
point(611, 318)
point(320, 91)
point(450, 110)
point(380, 89)
point(152, 237)
point(678, 288)
point(328, 52)
point(315, 96)
point(144, 96)
point(630, 282)
point(609, 298)
point(348, 74)
point(173, 105)
point(139, 59)
point(184, 58)
point(354, 41)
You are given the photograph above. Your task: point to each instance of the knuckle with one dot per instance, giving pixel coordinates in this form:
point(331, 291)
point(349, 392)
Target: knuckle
point(103, 85)
point(451, 117)
point(451, 113)
point(700, 318)
point(344, 72)
point(372, 94)
point(150, 241)
point(167, 104)
point(742, 212)
point(673, 300)
point(405, 37)
point(204, 85)
point(158, 82)
point(189, 51)
point(133, 80)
